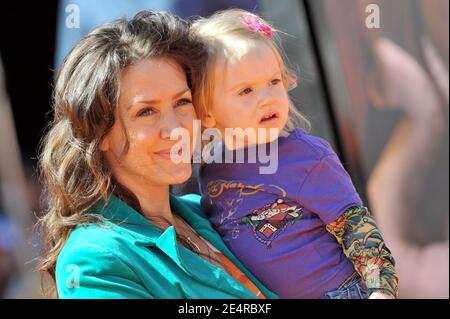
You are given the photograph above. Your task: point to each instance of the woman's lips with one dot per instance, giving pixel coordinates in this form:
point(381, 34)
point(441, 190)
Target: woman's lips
point(168, 153)
point(164, 154)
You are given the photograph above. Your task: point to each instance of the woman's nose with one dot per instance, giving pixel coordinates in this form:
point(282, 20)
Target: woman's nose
point(169, 122)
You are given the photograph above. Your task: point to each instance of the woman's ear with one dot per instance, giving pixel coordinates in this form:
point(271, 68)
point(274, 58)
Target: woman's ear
point(104, 144)
point(209, 121)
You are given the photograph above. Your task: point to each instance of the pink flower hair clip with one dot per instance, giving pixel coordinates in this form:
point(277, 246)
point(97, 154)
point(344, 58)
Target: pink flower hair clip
point(255, 23)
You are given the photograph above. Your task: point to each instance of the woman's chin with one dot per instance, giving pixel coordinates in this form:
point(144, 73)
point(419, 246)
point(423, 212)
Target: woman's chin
point(179, 174)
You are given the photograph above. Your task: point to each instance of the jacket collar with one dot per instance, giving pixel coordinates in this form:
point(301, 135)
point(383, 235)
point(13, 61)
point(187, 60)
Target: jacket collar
point(129, 220)
point(143, 230)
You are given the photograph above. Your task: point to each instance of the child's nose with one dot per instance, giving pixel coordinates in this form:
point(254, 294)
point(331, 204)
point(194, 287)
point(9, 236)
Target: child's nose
point(266, 98)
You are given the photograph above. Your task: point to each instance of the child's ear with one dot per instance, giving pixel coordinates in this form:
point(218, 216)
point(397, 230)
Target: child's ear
point(209, 121)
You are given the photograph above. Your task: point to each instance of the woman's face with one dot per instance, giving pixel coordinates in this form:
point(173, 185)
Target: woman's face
point(154, 99)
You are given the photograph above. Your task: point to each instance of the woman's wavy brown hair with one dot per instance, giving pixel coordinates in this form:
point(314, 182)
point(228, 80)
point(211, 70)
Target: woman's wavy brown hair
point(73, 170)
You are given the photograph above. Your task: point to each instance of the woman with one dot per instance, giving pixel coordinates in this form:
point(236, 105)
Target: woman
point(112, 228)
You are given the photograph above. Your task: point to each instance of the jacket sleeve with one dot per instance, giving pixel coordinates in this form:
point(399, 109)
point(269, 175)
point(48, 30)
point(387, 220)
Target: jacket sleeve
point(90, 271)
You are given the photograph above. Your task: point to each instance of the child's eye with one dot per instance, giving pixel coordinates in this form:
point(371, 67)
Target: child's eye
point(146, 111)
point(275, 81)
point(182, 102)
point(246, 91)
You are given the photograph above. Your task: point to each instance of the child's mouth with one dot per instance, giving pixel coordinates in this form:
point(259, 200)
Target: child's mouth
point(269, 117)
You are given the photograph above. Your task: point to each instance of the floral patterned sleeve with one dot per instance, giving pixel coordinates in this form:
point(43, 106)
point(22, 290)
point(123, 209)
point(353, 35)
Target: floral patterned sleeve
point(361, 240)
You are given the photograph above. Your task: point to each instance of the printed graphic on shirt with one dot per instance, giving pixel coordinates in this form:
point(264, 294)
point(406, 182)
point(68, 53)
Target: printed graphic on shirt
point(229, 208)
point(269, 221)
point(216, 188)
point(228, 205)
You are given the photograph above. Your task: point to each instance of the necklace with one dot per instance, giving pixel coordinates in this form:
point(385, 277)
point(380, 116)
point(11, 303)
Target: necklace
point(209, 253)
point(188, 228)
point(191, 242)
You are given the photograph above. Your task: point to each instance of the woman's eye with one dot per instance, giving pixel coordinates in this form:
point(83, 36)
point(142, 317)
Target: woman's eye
point(246, 91)
point(275, 81)
point(147, 111)
point(184, 101)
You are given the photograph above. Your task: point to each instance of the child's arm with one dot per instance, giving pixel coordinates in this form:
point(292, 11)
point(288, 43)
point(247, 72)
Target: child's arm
point(363, 244)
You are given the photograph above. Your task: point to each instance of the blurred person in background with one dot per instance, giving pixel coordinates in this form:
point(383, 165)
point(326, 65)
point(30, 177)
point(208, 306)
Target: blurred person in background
point(392, 109)
point(420, 92)
point(8, 238)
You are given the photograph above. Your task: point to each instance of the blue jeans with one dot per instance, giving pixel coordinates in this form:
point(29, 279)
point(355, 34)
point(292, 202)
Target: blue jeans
point(352, 288)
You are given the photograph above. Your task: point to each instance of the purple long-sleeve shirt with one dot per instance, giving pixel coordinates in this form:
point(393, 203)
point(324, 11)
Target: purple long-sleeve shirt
point(275, 224)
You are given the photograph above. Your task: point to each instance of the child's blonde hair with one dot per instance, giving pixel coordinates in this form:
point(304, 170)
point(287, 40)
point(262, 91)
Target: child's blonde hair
point(220, 32)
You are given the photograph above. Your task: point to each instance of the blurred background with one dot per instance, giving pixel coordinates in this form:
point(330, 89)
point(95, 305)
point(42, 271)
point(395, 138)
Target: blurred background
point(374, 81)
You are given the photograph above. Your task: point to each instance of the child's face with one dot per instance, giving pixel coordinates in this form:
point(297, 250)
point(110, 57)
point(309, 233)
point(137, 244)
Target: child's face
point(249, 93)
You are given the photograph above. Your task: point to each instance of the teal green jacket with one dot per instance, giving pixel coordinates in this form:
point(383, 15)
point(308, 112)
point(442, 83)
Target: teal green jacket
point(128, 257)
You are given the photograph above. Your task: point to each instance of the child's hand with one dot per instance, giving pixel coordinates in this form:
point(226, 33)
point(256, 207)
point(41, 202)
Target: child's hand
point(380, 295)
